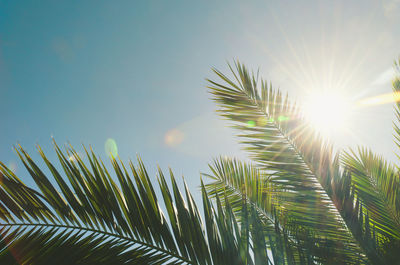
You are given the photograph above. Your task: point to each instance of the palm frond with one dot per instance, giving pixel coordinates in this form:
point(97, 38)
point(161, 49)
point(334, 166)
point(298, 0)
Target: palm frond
point(375, 186)
point(125, 215)
point(300, 162)
point(241, 182)
point(43, 244)
point(233, 178)
point(290, 243)
point(396, 91)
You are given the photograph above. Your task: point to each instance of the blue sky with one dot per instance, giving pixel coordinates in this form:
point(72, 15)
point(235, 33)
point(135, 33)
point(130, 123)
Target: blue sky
point(134, 71)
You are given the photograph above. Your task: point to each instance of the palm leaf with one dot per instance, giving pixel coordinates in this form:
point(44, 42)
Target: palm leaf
point(376, 189)
point(41, 245)
point(396, 91)
point(299, 161)
point(89, 211)
point(234, 180)
point(376, 183)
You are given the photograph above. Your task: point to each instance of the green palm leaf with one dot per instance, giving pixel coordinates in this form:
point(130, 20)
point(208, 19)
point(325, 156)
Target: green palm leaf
point(377, 185)
point(299, 161)
point(51, 245)
point(376, 189)
point(88, 208)
point(396, 91)
point(236, 179)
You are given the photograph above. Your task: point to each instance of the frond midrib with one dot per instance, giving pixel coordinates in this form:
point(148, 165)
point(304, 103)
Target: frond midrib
point(101, 232)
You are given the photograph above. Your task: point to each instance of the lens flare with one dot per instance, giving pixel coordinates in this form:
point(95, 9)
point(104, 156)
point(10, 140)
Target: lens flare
point(173, 137)
point(251, 124)
point(283, 118)
point(111, 148)
point(379, 100)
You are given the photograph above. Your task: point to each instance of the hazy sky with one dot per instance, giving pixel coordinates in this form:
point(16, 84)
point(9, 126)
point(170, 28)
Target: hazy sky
point(134, 71)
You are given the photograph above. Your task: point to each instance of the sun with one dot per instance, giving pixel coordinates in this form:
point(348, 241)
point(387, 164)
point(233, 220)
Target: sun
point(327, 112)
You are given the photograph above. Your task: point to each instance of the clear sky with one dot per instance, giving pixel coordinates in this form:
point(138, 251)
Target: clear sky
point(134, 71)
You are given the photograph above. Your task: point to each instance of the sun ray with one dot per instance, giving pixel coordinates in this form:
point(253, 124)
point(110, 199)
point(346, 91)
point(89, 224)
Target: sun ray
point(301, 128)
point(379, 100)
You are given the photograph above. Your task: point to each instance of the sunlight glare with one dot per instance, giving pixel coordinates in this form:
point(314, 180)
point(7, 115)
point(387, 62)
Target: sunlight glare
point(380, 99)
point(327, 112)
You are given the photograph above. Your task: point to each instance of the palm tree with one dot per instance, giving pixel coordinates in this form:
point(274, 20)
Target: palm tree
point(299, 203)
